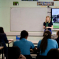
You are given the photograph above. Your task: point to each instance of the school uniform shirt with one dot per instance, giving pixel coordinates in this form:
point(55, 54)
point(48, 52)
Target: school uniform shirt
point(24, 46)
point(52, 44)
point(48, 25)
point(57, 39)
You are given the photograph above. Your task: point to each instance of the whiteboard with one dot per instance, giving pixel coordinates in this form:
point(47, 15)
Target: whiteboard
point(27, 18)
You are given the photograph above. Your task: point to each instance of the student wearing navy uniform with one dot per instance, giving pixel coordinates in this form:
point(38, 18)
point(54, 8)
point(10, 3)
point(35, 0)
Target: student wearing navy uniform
point(3, 41)
point(24, 44)
point(48, 25)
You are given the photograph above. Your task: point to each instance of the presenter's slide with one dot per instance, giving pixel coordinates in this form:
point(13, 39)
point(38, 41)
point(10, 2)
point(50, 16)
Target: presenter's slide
point(55, 17)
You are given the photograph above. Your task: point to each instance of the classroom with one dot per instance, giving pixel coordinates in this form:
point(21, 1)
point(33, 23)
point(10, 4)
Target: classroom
point(26, 15)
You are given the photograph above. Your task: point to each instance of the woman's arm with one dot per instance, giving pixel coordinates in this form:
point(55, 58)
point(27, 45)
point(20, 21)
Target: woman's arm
point(44, 27)
point(50, 27)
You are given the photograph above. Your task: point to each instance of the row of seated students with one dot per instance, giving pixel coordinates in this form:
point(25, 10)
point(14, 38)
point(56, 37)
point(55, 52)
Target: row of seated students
point(43, 47)
point(15, 53)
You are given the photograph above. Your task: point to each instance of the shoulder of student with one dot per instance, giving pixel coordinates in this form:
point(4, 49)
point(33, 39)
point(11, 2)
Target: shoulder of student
point(2, 34)
point(54, 40)
point(29, 42)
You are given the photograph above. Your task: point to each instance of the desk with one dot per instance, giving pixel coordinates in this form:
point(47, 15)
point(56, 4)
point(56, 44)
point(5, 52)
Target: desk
point(10, 41)
point(1, 48)
point(35, 43)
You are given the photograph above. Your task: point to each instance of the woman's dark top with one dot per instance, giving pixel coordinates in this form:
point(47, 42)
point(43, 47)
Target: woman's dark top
point(48, 25)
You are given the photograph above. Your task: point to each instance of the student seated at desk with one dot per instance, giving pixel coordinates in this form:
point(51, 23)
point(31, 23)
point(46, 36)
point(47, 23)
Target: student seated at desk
point(46, 44)
point(24, 44)
point(53, 54)
point(3, 41)
point(15, 53)
point(57, 39)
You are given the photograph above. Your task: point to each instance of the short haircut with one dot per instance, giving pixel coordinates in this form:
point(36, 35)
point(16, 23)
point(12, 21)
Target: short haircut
point(13, 52)
point(23, 34)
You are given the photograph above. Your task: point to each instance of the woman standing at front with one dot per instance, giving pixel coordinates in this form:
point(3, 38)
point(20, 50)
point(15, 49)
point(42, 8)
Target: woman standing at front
point(48, 25)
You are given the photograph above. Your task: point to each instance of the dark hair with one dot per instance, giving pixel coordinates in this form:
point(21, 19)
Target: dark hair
point(58, 33)
point(1, 30)
point(43, 45)
point(23, 34)
point(53, 53)
point(13, 52)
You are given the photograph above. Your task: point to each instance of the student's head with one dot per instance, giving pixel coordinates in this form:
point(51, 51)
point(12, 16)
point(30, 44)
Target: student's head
point(47, 34)
point(53, 53)
point(57, 33)
point(47, 19)
point(1, 30)
point(24, 34)
point(13, 53)
point(43, 45)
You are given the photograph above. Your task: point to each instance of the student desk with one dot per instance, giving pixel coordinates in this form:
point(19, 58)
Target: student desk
point(1, 48)
point(10, 41)
point(35, 43)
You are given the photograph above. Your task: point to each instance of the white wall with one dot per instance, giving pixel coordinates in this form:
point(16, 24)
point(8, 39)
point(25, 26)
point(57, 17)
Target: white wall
point(5, 6)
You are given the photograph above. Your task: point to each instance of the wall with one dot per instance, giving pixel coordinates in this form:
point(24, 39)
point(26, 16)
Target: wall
point(5, 6)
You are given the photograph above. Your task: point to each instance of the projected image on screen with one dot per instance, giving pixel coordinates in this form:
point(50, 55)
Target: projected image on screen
point(55, 17)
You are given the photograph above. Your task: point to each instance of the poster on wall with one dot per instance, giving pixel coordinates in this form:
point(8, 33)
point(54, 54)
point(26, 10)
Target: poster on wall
point(15, 3)
point(45, 3)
